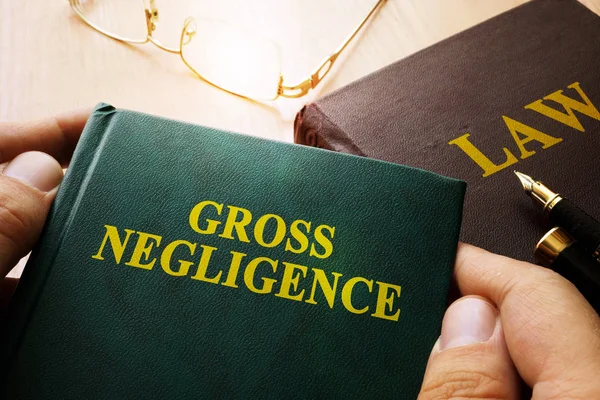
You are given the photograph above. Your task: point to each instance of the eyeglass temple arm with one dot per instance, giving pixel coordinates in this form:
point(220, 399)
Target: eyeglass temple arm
point(322, 70)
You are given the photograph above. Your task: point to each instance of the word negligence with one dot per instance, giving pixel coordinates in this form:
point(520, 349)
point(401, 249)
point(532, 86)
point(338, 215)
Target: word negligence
point(523, 134)
point(260, 275)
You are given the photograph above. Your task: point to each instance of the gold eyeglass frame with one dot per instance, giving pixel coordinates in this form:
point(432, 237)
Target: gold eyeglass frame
point(283, 90)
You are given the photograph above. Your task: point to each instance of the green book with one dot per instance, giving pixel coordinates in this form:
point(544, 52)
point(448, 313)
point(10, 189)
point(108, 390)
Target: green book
point(183, 262)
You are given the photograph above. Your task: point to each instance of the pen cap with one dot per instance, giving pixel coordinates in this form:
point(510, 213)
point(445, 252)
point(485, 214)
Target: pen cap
point(554, 242)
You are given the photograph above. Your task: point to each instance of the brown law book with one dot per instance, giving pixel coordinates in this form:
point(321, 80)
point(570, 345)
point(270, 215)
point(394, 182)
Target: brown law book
point(520, 91)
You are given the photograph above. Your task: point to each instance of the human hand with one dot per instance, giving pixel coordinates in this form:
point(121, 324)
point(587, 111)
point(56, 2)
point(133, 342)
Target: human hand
point(544, 327)
point(515, 318)
point(31, 156)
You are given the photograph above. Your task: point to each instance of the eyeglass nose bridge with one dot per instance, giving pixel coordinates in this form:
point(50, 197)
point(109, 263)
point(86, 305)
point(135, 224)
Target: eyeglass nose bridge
point(151, 19)
point(151, 12)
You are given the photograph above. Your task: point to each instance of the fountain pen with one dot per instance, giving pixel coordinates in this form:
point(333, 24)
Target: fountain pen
point(561, 253)
point(562, 212)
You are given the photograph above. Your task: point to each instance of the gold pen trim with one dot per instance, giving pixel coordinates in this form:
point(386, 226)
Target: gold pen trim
point(554, 242)
point(539, 192)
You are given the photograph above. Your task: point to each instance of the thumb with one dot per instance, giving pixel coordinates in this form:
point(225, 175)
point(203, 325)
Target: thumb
point(27, 188)
point(470, 360)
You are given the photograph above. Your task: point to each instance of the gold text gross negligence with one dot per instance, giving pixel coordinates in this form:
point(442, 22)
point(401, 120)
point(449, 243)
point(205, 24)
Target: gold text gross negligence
point(269, 231)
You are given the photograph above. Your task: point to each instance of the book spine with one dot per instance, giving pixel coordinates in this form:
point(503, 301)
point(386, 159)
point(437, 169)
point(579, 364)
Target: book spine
point(313, 128)
point(41, 261)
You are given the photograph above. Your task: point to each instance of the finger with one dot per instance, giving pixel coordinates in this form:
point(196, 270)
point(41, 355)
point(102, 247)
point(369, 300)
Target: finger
point(55, 136)
point(552, 333)
point(470, 360)
point(27, 188)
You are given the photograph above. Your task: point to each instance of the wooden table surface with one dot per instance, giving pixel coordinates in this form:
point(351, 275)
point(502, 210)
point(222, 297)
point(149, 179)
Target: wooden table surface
point(51, 62)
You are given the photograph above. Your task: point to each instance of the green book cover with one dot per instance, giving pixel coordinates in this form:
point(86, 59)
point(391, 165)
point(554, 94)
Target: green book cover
point(181, 262)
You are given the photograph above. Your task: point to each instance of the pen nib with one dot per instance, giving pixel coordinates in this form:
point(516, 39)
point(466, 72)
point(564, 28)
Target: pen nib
point(526, 181)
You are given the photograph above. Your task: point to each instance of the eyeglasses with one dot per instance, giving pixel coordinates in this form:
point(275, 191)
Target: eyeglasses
point(228, 57)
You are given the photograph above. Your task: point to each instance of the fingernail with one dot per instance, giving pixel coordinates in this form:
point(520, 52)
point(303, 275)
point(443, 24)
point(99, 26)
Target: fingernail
point(35, 169)
point(468, 320)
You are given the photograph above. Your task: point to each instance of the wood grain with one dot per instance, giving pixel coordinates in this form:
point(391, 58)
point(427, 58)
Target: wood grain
point(51, 62)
